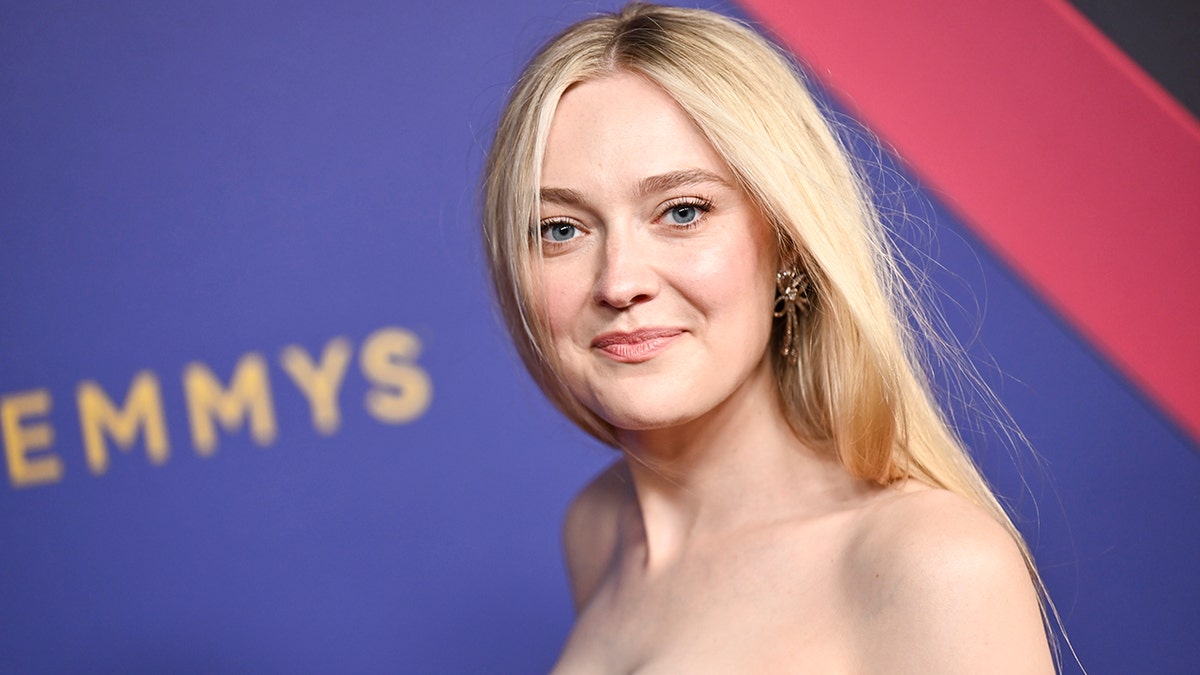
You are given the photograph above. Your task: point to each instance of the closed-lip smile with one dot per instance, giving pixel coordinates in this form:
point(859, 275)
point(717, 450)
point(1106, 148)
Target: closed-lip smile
point(635, 346)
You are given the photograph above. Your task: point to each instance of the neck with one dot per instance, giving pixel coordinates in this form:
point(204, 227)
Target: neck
point(738, 466)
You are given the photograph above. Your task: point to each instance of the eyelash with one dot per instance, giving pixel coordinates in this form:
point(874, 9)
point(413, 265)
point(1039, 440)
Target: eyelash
point(702, 204)
point(546, 225)
point(699, 203)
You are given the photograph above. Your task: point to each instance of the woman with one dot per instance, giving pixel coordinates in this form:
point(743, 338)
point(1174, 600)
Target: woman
point(692, 273)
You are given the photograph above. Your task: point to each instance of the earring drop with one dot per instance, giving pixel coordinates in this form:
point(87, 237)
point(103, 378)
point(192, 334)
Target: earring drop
point(791, 301)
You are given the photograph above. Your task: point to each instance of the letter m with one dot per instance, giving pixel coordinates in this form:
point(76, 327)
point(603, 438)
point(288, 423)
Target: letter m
point(142, 410)
point(248, 395)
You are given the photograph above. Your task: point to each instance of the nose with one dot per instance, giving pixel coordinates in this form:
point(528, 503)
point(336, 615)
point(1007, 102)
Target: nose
point(626, 276)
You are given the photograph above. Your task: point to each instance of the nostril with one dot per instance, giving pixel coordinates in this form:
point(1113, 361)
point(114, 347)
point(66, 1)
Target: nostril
point(624, 291)
point(627, 275)
point(625, 286)
point(621, 302)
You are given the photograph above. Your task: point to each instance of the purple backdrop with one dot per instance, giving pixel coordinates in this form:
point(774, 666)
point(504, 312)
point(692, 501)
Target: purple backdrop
point(214, 184)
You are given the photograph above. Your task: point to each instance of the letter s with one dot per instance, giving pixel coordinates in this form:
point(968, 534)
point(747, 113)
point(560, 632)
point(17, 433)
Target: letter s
point(402, 389)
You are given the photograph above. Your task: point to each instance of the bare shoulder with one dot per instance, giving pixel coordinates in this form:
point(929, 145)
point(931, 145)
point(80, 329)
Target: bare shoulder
point(938, 585)
point(590, 529)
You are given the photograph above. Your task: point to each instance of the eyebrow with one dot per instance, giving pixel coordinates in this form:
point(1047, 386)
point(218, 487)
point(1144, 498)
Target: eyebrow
point(671, 180)
point(663, 182)
point(564, 196)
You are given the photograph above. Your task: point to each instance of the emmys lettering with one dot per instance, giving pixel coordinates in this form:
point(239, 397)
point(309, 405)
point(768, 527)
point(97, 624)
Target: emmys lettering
point(399, 391)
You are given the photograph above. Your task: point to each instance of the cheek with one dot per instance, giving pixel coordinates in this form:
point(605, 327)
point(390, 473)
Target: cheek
point(560, 300)
point(730, 279)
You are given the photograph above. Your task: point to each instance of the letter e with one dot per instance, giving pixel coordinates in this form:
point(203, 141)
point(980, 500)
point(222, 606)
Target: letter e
point(19, 441)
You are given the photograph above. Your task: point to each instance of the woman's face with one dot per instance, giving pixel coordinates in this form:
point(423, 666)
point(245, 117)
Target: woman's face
point(657, 274)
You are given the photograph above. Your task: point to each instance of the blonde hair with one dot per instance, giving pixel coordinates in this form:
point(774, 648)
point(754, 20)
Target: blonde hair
point(858, 388)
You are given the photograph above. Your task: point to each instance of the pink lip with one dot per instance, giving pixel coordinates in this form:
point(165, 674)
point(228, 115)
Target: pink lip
point(636, 346)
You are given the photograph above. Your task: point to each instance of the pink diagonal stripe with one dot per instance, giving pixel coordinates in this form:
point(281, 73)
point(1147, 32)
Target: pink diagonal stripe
point(1056, 148)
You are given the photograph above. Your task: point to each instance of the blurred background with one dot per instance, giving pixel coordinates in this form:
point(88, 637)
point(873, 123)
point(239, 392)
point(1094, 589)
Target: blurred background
point(257, 411)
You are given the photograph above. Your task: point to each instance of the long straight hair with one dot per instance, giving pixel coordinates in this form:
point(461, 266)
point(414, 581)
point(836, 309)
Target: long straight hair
point(859, 388)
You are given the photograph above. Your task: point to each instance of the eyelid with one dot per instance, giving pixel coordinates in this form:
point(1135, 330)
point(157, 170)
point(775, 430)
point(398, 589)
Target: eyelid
point(552, 220)
point(703, 204)
point(545, 223)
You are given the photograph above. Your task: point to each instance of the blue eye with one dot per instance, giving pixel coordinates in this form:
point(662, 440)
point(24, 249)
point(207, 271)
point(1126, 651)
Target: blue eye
point(559, 231)
point(683, 214)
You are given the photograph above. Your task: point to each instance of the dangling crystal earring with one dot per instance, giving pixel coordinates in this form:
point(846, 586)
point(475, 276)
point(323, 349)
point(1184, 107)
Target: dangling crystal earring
point(791, 301)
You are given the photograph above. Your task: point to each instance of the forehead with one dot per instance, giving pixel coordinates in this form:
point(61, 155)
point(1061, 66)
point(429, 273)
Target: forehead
point(619, 129)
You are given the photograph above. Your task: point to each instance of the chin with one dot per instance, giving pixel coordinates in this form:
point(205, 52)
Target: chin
point(664, 401)
point(642, 421)
point(642, 412)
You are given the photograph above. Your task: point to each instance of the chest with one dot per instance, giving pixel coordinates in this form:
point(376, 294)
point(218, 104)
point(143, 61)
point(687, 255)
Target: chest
point(762, 608)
